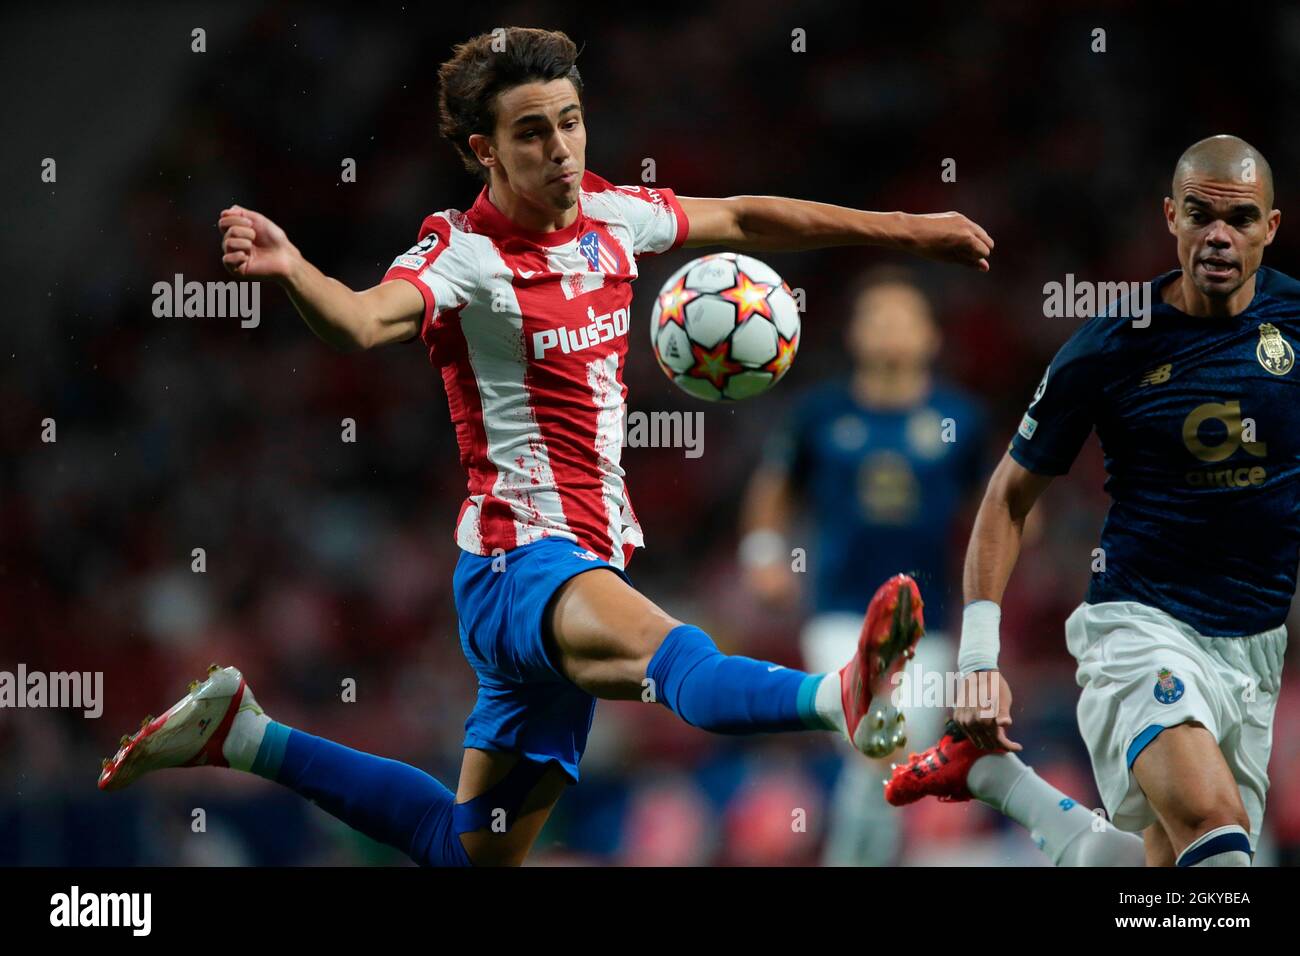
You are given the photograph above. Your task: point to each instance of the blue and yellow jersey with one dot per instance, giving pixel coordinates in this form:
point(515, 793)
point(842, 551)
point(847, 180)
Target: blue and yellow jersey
point(1199, 422)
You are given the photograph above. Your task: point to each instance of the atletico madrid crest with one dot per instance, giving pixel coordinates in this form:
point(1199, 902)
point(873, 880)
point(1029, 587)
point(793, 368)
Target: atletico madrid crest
point(599, 257)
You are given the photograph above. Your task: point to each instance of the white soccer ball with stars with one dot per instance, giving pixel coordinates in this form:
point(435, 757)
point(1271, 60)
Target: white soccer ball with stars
point(725, 327)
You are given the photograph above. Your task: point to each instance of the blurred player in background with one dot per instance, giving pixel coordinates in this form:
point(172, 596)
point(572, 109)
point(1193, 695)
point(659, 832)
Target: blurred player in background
point(548, 617)
point(1181, 639)
point(881, 465)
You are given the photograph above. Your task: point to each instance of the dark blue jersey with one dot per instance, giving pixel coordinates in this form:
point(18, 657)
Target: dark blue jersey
point(1199, 422)
point(882, 489)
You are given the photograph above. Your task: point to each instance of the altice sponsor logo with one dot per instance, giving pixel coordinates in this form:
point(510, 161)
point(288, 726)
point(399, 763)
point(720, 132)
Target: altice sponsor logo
point(208, 300)
point(1082, 299)
point(74, 908)
point(80, 690)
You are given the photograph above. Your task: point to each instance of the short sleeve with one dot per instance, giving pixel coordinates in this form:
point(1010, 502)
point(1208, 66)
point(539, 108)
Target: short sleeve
point(1061, 414)
point(440, 266)
point(653, 216)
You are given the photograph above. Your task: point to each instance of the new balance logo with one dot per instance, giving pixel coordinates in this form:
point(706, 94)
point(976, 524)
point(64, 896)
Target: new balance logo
point(1157, 376)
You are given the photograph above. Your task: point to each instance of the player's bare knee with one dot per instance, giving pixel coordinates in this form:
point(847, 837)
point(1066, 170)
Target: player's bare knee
point(1196, 811)
point(622, 673)
point(652, 631)
point(1222, 815)
point(642, 646)
point(616, 678)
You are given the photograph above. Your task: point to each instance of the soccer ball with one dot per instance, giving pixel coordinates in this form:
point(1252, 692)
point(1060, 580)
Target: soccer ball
point(725, 327)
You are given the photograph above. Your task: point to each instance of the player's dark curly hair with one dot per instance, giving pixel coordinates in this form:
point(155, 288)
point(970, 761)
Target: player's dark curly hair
point(486, 65)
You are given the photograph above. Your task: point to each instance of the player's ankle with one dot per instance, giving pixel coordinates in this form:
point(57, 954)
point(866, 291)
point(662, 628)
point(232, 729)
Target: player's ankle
point(245, 738)
point(829, 703)
point(993, 776)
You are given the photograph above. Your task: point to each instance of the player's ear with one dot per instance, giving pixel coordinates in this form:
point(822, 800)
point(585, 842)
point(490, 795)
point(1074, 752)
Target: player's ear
point(1274, 220)
point(482, 148)
point(1171, 213)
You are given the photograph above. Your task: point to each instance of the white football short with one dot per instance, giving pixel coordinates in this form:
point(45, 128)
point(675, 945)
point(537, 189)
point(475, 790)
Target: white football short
point(1143, 670)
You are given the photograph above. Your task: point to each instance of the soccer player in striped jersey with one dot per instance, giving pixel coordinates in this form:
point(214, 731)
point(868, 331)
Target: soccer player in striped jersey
point(523, 304)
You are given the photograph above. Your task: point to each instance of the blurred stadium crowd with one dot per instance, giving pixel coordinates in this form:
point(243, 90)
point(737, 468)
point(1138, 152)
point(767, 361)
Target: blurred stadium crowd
point(328, 560)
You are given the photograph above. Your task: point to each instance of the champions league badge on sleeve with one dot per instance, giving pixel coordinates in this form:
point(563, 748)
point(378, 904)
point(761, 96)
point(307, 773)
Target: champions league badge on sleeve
point(1273, 351)
point(1168, 687)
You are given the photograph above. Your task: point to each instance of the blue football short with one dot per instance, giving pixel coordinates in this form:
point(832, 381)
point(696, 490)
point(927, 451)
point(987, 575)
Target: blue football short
point(525, 704)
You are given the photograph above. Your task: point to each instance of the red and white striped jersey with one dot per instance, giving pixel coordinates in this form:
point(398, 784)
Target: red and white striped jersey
point(530, 331)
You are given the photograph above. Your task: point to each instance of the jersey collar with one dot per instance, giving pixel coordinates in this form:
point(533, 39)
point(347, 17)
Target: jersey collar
point(490, 220)
point(1158, 304)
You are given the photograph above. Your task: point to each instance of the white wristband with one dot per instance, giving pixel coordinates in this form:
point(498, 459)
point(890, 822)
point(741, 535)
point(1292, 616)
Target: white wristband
point(979, 637)
point(762, 547)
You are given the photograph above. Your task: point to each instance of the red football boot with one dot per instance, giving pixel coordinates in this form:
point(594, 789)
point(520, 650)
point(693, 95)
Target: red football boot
point(938, 772)
point(893, 625)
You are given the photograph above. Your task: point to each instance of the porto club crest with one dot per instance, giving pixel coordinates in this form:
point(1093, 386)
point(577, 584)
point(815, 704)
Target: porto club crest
point(1168, 687)
point(1273, 351)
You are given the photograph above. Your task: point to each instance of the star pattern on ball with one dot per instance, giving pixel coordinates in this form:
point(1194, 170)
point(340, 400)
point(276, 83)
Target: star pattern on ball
point(749, 296)
point(785, 349)
point(714, 364)
point(672, 303)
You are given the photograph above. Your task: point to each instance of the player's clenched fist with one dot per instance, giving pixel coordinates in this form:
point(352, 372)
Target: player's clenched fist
point(254, 246)
point(987, 712)
point(950, 237)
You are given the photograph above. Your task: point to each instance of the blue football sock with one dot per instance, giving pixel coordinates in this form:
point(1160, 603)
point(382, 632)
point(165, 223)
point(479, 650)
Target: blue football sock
point(730, 695)
point(389, 801)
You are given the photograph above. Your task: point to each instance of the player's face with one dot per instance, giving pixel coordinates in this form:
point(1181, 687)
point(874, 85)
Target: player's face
point(892, 329)
point(540, 143)
point(1222, 227)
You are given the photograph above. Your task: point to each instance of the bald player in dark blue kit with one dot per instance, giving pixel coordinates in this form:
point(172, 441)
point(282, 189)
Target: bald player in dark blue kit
point(1181, 637)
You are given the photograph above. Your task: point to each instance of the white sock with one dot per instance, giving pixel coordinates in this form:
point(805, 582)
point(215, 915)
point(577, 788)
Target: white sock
point(1106, 847)
point(830, 705)
point(1066, 831)
point(1222, 846)
point(246, 733)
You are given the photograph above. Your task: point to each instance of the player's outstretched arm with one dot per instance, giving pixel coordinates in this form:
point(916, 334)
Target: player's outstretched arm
point(990, 558)
point(253, 246)
point(757, 223)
